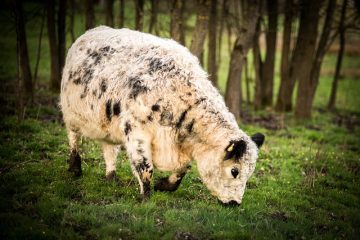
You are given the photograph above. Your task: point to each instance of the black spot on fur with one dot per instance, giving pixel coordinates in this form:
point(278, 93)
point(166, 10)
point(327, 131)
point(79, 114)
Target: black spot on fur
point(77, 81)
point(94, 92)
point(103, 85)
point(116, 108)
point(88, 75)
point(166, 118)
point(155, 107)
point(92, 107)
point(181, 119)
point(108, 109)
point(96, 57)
point(189, 126)
point(127, 129)
point(235, 149)
point(137, 86)
point(157, 64)
point(75, 163)
point(105, 49)
point(143, 166)
point(150, 118)
point(200, 101)
point(140, 151)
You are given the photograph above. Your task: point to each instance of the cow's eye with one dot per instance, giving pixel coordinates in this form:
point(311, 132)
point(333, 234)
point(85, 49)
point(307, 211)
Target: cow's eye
point(234, 172)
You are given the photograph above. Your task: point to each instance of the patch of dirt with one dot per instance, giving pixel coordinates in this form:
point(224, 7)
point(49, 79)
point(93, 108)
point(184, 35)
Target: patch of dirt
point(271, 121)
point(349, 121)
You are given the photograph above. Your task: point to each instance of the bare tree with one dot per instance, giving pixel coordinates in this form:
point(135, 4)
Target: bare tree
point(212, 62)
point(201, 27)
point(243, 43)
point(61, 34)
point(341, 29)
point(72, 19)
point(24, 73)
point(258, 66)
point(122, 14)
point(176, 22)
point(284, 100)
point(153, 16)
point(89, 14)
point(23, 50)
point(109, 9)
point(38, 53)
point(265, 70)
point(53, 43)
point(139, 14)
point(269, 64)
point(222, 20)
point(308, 80)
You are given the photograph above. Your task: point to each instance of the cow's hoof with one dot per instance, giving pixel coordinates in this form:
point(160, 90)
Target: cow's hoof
point(142, 198)
point(111, 176)
point(163, 185)
point(76, 171)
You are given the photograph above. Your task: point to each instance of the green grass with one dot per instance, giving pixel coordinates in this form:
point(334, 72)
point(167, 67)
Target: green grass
point(306, 184)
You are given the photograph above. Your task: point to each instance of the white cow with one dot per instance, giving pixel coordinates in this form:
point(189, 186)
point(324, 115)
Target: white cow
point(149, 94)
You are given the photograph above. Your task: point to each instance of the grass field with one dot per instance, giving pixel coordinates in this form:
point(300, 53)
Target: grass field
point(306, 184)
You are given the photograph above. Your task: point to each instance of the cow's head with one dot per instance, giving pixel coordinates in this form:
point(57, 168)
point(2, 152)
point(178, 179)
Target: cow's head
point(225, 171)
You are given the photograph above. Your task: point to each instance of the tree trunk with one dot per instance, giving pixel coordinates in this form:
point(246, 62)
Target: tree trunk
point(139, 15)
point(247, 82)
point(23, 57)
point(72, 19)
point(269, 64)
point(38, 53)
point(285, 57)
point(176, 21)
point(221, 29)
point(53, 43)
point(242, 45)
point(89, 13)
point(109, 9)
point(61, 35)
point(201, 28)
point(309, 74)
point(304, 49)
point(332, 99)
point(258, 65)
point(212, 63)
point(153, 17)
point(23, 50)
point(122, 14)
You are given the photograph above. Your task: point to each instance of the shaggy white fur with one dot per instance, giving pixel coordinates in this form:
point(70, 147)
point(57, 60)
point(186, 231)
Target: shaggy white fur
point(123, 87)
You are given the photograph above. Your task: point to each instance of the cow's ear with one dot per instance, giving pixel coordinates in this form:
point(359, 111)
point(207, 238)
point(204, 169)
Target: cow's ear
point(235, 149)
point(258, 139)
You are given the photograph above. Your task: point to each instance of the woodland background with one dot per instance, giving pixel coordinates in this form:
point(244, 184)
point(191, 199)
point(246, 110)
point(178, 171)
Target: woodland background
point(289, 69)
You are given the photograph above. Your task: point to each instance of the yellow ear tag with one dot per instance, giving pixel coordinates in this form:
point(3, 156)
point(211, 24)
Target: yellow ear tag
point(230, 148)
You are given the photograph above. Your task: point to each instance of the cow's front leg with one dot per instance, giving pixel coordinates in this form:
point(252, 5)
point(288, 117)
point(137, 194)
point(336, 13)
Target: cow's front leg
point(172, 182)
point(110, 153)
point(138, 147)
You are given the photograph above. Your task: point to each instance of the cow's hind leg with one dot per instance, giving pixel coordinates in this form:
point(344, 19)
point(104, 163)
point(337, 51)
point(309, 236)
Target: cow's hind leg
point(75, 159)
point(138, 146)
point(172, 182)
point(110, 152)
